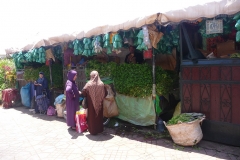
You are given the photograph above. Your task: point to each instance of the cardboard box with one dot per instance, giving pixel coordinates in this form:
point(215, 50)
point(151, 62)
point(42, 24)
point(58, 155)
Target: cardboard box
point(226, 48)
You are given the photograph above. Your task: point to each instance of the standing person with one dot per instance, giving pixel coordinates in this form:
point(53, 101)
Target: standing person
point(41, 86)
point(94, 91)
point(72, 98)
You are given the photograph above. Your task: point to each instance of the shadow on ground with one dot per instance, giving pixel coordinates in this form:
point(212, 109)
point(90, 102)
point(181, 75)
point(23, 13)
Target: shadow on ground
point(146, 135)
point(151, 136)
point(106, 136)
point(25, 110)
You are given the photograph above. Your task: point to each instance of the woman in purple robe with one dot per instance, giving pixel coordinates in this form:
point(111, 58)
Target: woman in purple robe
point(72, 98)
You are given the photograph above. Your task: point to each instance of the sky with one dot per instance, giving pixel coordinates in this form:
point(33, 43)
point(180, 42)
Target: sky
point(22, 21)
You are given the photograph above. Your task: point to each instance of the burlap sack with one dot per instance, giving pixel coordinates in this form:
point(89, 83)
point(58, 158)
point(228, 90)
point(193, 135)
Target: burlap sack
point(110, 108)
point(154, 35)
point(186, 134)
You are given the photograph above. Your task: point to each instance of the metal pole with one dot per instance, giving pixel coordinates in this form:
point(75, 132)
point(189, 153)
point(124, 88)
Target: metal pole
point(181, 58)
point(154, 75)
point(154, 86)
point(50, 70)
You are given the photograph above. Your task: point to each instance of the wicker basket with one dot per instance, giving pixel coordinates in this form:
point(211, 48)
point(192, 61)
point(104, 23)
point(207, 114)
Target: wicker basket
point(186, 134)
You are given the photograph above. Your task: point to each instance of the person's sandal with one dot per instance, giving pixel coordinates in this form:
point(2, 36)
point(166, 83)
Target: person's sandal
point(73, 128)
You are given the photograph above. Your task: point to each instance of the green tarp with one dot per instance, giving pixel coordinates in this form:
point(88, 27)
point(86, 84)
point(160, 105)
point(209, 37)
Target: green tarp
point(138, 111)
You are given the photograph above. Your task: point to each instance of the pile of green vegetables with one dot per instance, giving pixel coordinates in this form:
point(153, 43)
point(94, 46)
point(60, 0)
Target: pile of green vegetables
point(31, 74)
point(104, 69)
point(237, 26)
point(182, 118)
point(135, 79)
point(185, 118)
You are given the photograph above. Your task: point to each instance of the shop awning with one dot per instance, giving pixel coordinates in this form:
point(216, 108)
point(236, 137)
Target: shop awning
point(189, 10)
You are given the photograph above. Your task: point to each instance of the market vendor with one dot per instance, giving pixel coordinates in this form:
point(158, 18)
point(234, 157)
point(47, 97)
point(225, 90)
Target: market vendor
point(134, 56)
point(41, 85)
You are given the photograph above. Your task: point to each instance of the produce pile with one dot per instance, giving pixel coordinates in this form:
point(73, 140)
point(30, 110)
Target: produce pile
point(135, 79)
point(104, 69)
point(31, 74)
point(185, 117)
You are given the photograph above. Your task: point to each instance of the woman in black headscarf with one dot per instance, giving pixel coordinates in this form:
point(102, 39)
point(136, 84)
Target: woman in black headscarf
point(41, 84)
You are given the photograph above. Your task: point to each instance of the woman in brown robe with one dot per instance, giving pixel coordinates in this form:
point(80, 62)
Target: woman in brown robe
point(95, 92)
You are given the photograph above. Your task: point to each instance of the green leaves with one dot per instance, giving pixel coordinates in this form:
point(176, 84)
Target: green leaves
point(135, 79)
point(180, 118)
point(31, 74)
point(169, 41)
point(4, 64)
point(104, 69)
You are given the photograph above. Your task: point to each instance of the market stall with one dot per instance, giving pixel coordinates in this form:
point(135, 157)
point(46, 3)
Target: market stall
point(158, 34)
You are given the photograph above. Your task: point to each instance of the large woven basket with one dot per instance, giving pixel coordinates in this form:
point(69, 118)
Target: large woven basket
point(186, 134)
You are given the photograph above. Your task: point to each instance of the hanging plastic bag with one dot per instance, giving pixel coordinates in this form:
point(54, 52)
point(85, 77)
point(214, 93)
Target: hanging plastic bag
point(238, 36)
point(60, 108)
point(237, 25)
point(51, 111)
point(110, 108)
point(25, 95)
point(237, 17)
point(81, 121)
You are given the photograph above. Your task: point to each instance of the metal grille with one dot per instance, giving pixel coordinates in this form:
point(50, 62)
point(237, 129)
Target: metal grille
point(200, 83)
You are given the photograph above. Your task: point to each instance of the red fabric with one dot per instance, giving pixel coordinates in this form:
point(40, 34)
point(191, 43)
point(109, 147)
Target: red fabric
point(81, 122)
point(9, 95)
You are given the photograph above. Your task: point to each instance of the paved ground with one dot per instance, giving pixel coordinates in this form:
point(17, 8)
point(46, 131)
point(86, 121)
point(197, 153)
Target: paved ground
point(27, 136)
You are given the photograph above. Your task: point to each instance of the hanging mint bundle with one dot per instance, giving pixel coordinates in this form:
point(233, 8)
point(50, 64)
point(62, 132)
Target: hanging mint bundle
point(107, 44)
point(175, 38)
point(117, 43)
point(238, 36)
point(29, 56)
point(19, 59)
point(140, 43)
point(41, 55)
point(146, 39)
point(96, 44)
point(57, 51)
point(78, 47)
point(133, 35)
point(169, 41)
point(165, 44)
point(87, 47)
point(126, 37)
point(70, 45)
point(237, 26)
point(35, 57)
